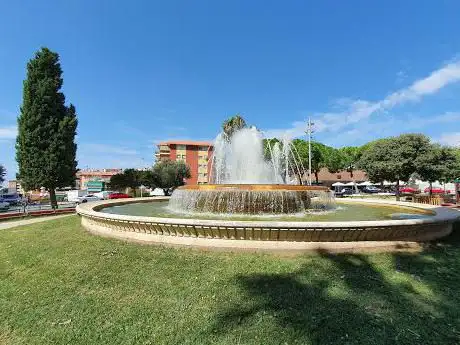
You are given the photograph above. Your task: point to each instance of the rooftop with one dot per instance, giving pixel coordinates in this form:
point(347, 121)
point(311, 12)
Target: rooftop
point(186, 142)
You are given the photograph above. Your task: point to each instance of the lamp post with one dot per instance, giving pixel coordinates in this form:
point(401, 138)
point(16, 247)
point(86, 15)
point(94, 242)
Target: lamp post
point(309, 133)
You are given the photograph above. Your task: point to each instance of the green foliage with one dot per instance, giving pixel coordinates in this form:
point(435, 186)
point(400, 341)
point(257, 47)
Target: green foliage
point(130, 178)
point(170, 174)
point(133, 178)
point(437, 163)
point(149, 179)
point(233, 124)
point(334, 160)
point(118, 182)
point(2, 173)
point(318, 156)
point(377, 161)
point(394, 159)
point(300, 155)
point(350, 158)
point(299, 158)
point(45, 147)
point(268, 146)
point(165, 174)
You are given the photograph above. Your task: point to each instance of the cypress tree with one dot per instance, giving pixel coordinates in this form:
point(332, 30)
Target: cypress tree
point(45, 145)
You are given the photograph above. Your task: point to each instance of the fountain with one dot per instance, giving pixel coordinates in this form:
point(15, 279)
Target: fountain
point(247, 181)
point(255, 202)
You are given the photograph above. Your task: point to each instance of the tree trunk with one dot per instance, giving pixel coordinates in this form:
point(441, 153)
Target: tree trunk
point(53, 200)
point(299, 175)
point(316, 177)
point(430, 184)
point(397, 191)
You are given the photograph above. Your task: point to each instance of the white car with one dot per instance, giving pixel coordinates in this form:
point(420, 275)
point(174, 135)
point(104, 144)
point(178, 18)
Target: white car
point(104, 195)
point(157, 192)
point(86, 198)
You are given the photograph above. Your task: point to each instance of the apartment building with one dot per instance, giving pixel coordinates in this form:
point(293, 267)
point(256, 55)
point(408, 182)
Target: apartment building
point(196, 154)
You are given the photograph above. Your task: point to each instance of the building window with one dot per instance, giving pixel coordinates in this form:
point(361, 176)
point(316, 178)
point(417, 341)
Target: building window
point(339, 177)
point(181, 147)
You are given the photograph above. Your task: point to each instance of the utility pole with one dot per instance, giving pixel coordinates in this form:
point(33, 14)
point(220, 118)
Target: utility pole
point(309, 132)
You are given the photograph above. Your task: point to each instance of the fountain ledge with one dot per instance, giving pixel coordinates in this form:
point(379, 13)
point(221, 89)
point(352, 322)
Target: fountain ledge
point(273, 236)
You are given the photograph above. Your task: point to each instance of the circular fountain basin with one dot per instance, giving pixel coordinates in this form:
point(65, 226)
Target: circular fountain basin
point(273, 235)
point(250, 199)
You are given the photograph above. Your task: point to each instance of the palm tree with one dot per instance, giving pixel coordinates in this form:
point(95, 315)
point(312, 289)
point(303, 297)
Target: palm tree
point(233, 124)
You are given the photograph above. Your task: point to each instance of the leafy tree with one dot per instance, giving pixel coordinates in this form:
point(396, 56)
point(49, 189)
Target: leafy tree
point(437, 163)
point(233, 124)
point(298, 161)
point(334, 160)
point(133, 178)
point(130, 178)
point(45, 146)
point(268, 147)
point(350, 158)
point(298, 156)
point(118, 182)
point(2, 173)
point(149, 179)
point(170, 174)
point(394, 159)
point(318, 156)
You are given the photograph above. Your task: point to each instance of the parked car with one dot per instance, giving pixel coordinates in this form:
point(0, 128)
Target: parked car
point(12, 199)
point(157, 192)
point(74, 195)
point(436, 190)
point(119, 196)
point(104, 195)
point(408, 190)
point(371, 190)
point(86, 198)
point(348, 191)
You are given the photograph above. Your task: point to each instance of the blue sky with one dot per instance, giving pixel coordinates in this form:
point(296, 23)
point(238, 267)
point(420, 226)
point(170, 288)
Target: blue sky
point(143, 71)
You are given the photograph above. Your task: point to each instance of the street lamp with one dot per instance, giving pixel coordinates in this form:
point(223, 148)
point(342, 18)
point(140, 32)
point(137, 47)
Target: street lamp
point(309, 133)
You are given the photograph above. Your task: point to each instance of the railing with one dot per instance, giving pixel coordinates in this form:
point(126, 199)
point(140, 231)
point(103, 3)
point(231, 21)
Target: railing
point(429, 200)
point(21, 211)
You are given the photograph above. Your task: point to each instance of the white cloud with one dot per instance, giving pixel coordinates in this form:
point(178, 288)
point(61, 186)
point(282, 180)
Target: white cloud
point(108, 149)
point(451, 139)
point(9, 132)
point(354, 111)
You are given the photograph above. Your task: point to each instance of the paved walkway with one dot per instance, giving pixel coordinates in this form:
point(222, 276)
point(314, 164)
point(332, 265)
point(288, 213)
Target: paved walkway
point(14, 223)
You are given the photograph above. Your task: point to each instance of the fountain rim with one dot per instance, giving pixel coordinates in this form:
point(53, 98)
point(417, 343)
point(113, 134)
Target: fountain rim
point(252, 187)
point(441, 214)
point(282, 237)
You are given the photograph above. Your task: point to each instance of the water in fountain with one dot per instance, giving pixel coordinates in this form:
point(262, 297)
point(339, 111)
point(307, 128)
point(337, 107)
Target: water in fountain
point(240, 160)
point(245, 180)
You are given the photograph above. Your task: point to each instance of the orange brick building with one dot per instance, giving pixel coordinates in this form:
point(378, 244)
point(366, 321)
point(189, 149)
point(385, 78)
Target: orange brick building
point(196, 154)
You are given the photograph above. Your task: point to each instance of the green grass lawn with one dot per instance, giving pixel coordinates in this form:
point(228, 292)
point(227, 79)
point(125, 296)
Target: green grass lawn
point(61, 285)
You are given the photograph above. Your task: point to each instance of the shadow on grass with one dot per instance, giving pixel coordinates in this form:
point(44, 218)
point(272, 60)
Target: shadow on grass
point(353, 299)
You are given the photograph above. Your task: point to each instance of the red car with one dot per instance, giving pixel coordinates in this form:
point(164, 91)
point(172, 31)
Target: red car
point(408, 190)
point(119, 196)
point(436, 190)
